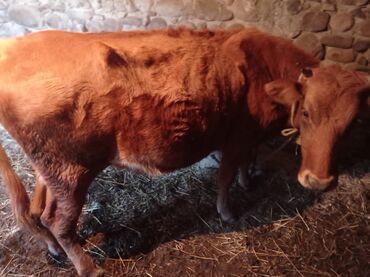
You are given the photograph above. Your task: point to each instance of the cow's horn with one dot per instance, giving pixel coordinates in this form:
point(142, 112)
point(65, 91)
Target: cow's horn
point(307, 72)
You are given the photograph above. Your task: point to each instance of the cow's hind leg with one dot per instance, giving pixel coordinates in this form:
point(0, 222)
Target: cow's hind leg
point(39, 198)
point(41, 203)
point(247, 170)
point(69, 198)
point(227, 172)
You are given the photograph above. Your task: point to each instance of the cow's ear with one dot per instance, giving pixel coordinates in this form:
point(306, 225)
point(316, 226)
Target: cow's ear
point(108, 56)
point(284, 92)
point(364, 95)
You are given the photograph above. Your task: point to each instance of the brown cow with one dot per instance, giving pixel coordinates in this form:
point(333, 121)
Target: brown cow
point(155, 101)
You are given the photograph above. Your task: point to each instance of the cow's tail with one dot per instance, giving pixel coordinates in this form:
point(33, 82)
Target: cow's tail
point(20, 201)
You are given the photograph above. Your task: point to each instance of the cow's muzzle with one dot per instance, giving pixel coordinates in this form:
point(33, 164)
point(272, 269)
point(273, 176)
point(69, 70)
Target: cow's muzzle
point(311, 181)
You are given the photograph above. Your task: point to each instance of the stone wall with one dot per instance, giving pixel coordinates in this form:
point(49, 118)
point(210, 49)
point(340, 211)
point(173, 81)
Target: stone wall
point(334, 30)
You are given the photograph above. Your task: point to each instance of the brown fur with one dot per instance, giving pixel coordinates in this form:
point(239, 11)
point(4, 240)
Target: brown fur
point(156, 101)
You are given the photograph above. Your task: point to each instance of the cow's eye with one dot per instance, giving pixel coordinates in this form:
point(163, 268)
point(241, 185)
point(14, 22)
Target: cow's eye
point(306, 114)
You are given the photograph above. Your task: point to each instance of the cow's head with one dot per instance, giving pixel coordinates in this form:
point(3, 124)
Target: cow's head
point(323, 103)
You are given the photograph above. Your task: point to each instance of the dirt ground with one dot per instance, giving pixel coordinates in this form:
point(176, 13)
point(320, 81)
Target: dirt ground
point(135, 225)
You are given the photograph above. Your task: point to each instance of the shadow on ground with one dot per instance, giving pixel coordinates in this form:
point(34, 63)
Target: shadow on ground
point(134, 213)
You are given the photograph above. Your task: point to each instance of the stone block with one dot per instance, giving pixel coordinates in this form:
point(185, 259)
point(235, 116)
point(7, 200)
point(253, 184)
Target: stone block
point(11, 29)
point(80, 14)
point(211, 10)
point(353, 2)
point(235, 26)
point(362, 60)
point(310, 43)
point(367, 54)
point(57, 20)
point(340, 55)
point(123, 6)
point(157, 23)
point(95, 25)
point(315, 21)
point(361, 45)
point(96, 4)
point(3, 4)
point(246, 10)
point(337, 41)
point(342, 22)
point(144, 5)
point(186, 24)
point(111, 25)
point(25, 15)
point(132, 21)
point(294, 33)
point(226, 2)
point(363, 28)
point(328, 7)
point(173, 8)
point(293, 6)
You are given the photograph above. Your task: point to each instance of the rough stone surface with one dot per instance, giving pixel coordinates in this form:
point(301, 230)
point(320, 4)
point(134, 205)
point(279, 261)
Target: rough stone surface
point(211, 10)
point(235, 26)
point(55, 21)
point(143, 5)
point(328, 7)
point(353, 2)
point(337, 41)
point(315, 21)
point(95, 25)
point(185, 23)
point(173, 8)
point(362, 61)
point(294, 6)
point(342, 22)
point(361, 45)
point(311, 44)
point(11, 29)
point(340, 55)
point(80, 14)
point(111, 25)
point(132, 21)
point(294, 33)
point(25, 15)
point(226, 2)
point(157, 23)
point(364, 28)
point(367, 55)
point(246, 10)
point(358, 13)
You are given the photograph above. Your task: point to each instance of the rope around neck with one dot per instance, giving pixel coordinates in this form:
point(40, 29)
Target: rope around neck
point(287, 132)
point(292, 130)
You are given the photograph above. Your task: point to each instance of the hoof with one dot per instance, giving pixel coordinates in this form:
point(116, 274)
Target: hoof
point(227, 216)
point(99, 273)
point(230, 218)
point(54, 259)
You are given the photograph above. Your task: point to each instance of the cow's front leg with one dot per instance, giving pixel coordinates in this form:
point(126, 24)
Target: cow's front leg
point(227, 172)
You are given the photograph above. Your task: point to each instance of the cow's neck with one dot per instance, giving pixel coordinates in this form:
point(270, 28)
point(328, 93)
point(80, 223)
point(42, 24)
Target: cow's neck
point(269, 58)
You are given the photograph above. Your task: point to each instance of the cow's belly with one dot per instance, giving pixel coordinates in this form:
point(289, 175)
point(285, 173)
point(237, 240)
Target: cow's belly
point(163, 155)
point(159, 142)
